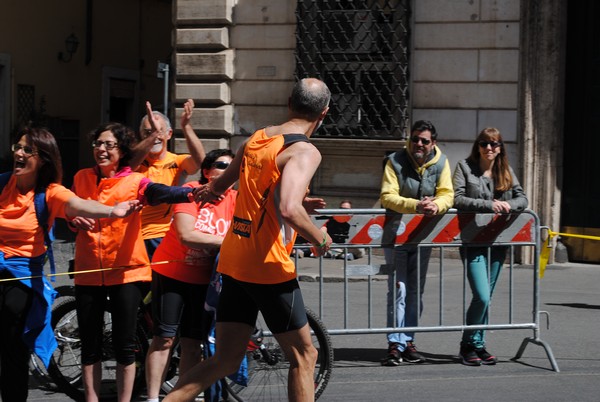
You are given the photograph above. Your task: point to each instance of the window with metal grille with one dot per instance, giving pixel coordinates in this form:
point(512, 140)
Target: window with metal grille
point(360, 49)
point(25, 104)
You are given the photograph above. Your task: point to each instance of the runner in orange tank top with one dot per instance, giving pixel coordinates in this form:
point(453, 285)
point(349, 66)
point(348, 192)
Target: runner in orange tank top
point(274, 168)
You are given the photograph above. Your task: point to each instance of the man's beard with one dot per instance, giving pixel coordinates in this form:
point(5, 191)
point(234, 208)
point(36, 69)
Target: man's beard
point(156, 148)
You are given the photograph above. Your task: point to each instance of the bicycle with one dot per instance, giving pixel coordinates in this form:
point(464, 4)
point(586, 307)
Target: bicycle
point(267, 367)
point(36, 367)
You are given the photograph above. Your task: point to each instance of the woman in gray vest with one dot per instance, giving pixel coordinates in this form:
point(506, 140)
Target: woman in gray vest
point(484, 182)
point(416, 180)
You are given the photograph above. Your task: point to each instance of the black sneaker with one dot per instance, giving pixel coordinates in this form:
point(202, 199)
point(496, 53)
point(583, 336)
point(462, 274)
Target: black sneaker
point(411, 355)
point(486, 358)
point(469, 356)
point(393, 357)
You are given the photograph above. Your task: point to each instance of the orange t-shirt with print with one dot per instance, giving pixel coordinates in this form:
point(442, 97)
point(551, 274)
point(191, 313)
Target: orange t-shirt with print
point(177, 261)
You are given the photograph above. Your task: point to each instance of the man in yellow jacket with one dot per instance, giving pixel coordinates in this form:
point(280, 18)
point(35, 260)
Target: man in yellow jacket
point(416, 180)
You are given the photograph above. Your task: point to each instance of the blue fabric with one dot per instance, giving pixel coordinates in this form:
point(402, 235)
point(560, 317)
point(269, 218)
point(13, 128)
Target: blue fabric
point(38, 334)
point(483, 283)
point(210, 305)
point(41, 213)
point(408, 296)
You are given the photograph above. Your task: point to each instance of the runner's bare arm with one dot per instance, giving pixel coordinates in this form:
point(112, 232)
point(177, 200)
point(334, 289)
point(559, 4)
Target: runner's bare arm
point(298, 164)
point(230, 175)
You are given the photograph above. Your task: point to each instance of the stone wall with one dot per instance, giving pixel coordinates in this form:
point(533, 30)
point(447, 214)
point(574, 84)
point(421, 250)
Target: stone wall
point(467, 72)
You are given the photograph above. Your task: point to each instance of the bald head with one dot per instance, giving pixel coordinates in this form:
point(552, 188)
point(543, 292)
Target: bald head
point(310, 97)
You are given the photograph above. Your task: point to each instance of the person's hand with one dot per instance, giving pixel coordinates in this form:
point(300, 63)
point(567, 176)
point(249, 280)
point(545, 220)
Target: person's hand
point(186, 115)
point(318, 249)
point(500, 206)
point(125, 208)
point(82, 223)
point(427, 207)
point(154, 121)
point(205, 194)
point(311, 204)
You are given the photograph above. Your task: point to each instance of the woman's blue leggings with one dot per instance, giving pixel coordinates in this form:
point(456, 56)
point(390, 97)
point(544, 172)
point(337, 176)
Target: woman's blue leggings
point(483, 282)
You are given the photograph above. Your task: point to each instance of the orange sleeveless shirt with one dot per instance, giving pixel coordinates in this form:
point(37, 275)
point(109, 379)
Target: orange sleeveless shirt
point(257, 247)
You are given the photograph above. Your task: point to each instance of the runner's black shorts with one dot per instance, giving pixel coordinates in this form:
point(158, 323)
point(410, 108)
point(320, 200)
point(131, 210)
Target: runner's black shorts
point(281, 304)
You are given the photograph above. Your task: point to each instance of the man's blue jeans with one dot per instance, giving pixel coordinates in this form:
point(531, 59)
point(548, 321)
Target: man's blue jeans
point(482, 284)
point(408, 297)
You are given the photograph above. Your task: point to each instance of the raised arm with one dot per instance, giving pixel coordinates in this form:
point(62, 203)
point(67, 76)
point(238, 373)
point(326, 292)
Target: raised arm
point(142, 148)
point(197, 153)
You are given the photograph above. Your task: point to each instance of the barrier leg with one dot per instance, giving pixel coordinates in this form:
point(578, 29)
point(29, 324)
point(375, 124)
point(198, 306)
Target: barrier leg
point(541, 343)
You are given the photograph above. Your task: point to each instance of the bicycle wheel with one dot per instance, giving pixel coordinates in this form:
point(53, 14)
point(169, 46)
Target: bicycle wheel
point(36, 366)
point(268, 372)
point(65, 365)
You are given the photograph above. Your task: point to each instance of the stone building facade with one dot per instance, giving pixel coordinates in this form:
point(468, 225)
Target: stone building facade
point(473, 64)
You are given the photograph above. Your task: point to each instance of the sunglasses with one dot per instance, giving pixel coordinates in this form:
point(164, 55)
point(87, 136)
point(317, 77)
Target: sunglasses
point(107, 144)
point(27, 150)
point(416, 140)
point(494, 144)
point(220, 165)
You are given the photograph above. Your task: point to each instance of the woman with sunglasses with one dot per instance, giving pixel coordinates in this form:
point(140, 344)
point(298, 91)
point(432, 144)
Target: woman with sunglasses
point(182, 267)
point(484, 182)
point(112, 256)
point(25, 294)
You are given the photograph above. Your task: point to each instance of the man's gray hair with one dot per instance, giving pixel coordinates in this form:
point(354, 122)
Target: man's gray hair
point(162, 116)
point(309, 98)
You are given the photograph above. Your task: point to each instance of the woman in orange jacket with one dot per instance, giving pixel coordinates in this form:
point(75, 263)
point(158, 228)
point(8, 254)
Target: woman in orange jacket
point(115, 254)
point(25, 293)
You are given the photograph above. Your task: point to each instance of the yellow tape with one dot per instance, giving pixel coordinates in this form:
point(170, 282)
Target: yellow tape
point(88, 271)
point(587, 237)
point(545, 253)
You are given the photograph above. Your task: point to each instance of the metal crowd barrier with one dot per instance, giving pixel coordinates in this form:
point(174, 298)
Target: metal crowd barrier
point(372, 229)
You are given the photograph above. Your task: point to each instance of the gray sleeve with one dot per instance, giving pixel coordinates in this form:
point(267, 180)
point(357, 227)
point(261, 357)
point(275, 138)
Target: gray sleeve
point(519, 201)
point(464, 197)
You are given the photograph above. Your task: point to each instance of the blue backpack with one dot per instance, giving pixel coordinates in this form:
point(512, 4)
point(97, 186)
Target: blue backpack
point(41, 213)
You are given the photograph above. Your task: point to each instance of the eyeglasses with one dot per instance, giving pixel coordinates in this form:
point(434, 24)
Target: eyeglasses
point(107, 144)
point(494, 144)
point(27, 150)
point(220, 165)
point(416, 140)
